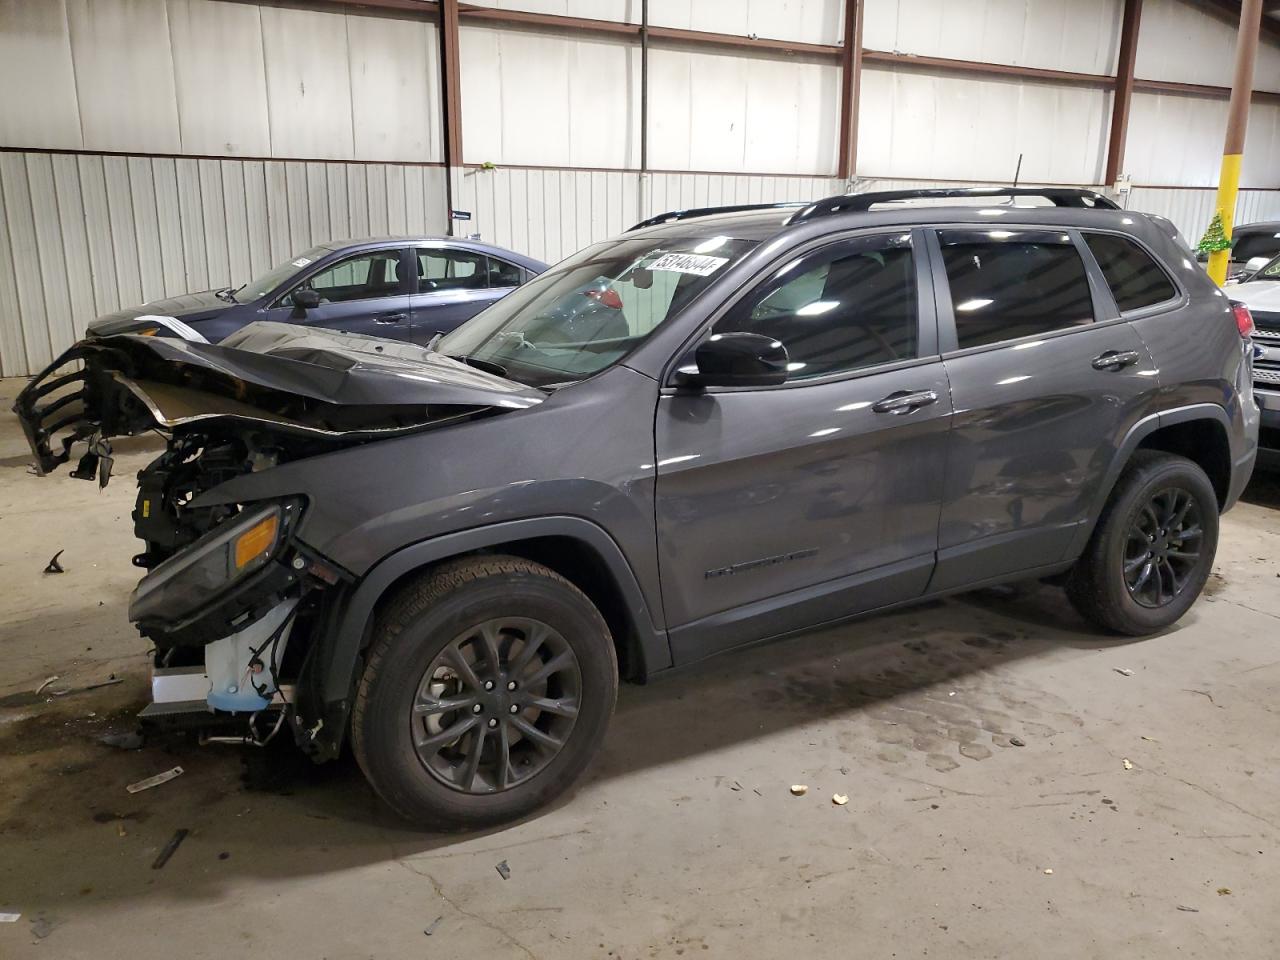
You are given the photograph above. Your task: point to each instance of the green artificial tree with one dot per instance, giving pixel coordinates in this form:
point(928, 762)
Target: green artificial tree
point(1215, 238)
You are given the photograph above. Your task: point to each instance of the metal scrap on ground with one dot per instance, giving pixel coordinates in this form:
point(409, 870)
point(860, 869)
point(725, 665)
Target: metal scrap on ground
point(167, 851)
point(504, 871)
point(155, 781)
point(53, 566)
point(432, 929)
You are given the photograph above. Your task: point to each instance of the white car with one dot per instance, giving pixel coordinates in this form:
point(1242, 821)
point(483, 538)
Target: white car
point(1260, 292)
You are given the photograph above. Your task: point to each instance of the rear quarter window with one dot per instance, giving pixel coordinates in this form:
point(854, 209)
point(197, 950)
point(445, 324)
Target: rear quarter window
point(1136, 280)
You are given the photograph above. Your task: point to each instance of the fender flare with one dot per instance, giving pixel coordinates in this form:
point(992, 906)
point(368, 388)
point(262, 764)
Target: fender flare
point(1137, 433)
point(340, 654)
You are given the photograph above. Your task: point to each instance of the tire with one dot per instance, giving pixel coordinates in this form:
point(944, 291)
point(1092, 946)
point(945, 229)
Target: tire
point(463, 608)
point(1100, 585)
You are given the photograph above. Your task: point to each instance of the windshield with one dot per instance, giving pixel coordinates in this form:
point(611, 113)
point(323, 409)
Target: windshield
point(594, 308)
point(264, 283)
point(1270, 272)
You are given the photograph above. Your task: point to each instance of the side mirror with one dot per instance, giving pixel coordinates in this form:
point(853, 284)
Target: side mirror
point(1255, 264)
point(304, 300)
point(736, 360)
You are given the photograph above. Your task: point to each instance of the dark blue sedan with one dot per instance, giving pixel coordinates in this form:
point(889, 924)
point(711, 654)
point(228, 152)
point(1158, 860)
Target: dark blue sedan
point(402, 288)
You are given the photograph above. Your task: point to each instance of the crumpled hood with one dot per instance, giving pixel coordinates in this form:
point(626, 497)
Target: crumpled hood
point(343, 368)
point(289, 379)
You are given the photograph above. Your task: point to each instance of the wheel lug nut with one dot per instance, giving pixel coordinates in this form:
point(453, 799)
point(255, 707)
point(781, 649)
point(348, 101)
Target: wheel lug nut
point(493, 721)
point(511, 685)
point(477, 708)
point(488, 684)
point(515, 708)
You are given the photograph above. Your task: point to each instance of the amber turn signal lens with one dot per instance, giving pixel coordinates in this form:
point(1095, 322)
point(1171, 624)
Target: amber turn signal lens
point(256, 541)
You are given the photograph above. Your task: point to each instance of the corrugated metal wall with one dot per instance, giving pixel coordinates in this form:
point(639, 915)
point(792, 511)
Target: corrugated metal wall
point(184, 90)
point(88, 234)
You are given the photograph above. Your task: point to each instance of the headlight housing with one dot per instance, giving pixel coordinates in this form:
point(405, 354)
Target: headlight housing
point(211, 565)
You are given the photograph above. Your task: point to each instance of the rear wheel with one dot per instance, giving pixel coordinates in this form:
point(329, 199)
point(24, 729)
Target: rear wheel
point(1153, 547)
point(488, 689)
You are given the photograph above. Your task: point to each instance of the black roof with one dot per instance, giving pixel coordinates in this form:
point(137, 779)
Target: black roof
point(1261, 226)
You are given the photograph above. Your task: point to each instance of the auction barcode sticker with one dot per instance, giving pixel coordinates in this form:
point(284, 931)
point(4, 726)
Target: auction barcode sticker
point(689, 263)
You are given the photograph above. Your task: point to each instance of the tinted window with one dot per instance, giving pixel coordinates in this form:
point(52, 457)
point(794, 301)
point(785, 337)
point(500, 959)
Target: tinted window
point(440, 269)
point(1135, 279)
point(837, 310)
point(363, 277)
point(1014, 285)
point(1255, 245)
point(503, 274)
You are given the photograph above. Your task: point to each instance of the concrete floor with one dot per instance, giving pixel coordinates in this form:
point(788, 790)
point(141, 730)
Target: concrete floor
point(684, 840)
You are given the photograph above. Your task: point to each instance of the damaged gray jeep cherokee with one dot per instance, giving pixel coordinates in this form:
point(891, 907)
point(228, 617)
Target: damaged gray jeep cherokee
point(765, 420)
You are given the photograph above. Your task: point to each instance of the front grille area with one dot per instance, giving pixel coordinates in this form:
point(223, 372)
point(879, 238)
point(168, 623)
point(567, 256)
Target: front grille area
point(1267, 376)
point(1266, 334)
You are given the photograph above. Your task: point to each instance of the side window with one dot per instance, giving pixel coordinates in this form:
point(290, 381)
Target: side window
point(1135, 279)
point(841, 309)
point(440, 269)
point(503, 274)
point(1009, 285)
point(363, 277)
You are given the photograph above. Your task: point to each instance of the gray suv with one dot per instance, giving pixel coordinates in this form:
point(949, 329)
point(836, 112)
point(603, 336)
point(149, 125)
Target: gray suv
point(777, 418)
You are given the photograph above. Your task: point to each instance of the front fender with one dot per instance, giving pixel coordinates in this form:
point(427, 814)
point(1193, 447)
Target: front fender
point(333, 666)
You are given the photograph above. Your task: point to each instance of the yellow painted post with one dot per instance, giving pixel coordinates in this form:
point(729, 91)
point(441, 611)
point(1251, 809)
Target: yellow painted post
point(1237, 123)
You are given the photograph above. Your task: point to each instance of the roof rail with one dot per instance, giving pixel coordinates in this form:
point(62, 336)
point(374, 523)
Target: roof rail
point(862, 202)
point(671, 216)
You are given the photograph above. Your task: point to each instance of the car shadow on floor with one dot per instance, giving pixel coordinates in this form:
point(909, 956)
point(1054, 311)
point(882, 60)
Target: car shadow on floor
point(1263, 489)
point(929, 679)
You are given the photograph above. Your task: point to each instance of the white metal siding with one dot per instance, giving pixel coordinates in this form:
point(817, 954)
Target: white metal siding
point(88, 234)
point(1191, 210)
point(549, 213)
point(927, 126)
point(212, 78)
point(531, 97)
point(1079, 35)
point(722, 111)
point(1181, 41)
point(1177, 141)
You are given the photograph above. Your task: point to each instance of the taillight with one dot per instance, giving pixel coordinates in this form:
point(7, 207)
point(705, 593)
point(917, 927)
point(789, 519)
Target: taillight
point(1244, 319)
point(606, 298)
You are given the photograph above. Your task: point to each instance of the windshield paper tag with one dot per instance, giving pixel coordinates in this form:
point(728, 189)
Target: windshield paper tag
point(301, 262)
point(689, 263)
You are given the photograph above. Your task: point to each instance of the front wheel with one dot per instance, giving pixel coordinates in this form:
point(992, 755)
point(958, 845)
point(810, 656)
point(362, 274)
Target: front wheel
point(489, 686)
point(1153, 547)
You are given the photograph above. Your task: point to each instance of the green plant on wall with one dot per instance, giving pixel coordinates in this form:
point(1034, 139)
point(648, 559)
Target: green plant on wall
point(1215, 238)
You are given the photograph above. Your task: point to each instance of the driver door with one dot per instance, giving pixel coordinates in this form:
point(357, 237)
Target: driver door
point(783, 507)
point(366, 293)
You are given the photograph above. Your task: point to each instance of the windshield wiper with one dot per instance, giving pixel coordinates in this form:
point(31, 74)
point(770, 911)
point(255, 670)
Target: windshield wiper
point(227, 295)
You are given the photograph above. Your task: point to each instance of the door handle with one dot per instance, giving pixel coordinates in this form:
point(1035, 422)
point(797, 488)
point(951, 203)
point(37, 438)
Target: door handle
point(904, 401)
point(1116, 359)
point(390, 318)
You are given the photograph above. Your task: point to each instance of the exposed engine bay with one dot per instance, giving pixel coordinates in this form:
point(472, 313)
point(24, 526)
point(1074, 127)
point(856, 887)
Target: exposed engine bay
point(230, 599)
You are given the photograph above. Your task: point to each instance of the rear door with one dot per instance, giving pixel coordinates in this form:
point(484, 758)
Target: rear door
point(365, 293)
point(782, 507)
point(1046, 378)
point(454, 284)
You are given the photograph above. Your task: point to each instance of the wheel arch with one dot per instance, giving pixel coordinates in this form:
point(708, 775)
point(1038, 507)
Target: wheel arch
point(577, 549)
point(1200, 432)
